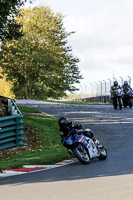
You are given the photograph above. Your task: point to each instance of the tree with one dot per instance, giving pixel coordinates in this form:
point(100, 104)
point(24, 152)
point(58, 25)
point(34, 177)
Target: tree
point(5, 87)
point(40, 64)
point(9, 10)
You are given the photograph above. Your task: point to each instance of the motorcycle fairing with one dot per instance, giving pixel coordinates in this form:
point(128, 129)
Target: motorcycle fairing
point(87, 142)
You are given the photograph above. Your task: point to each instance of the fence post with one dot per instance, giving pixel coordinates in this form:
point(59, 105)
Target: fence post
point(19, 131)
point(105, 86)
point(101, 87)
point(129, 80)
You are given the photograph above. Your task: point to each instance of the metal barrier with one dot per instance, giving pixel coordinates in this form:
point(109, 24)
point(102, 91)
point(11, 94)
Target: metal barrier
point(12, 107)
point(102, 99)
point(100, 88)
point(11, 128)
point(98, 99)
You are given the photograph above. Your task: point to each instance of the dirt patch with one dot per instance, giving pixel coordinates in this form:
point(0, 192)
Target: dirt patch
point(30, 141)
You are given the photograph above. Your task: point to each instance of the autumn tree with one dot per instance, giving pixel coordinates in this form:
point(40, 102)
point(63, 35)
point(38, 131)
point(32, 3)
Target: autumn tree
point(40, 64)
point(5, 87)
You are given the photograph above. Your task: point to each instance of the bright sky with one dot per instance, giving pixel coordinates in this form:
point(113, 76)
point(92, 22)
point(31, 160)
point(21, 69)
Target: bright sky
point(104, 36)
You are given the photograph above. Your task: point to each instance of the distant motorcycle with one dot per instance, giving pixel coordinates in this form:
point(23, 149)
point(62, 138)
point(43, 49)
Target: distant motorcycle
point(117, 98)
point(84, 148)
point(127, 97)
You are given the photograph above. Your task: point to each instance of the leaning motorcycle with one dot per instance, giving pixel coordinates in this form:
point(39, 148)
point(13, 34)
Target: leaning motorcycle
point(84, 148)
point(127, 97)
point(117, 98)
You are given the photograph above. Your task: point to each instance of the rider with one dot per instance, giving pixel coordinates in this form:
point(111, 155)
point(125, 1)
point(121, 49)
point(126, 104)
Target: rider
point(126, 86)
point(67, 128)
point(114, 87)
point(128, 94)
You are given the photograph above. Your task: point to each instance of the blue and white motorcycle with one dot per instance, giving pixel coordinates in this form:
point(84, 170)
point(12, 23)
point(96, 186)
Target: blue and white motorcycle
point(84, 148)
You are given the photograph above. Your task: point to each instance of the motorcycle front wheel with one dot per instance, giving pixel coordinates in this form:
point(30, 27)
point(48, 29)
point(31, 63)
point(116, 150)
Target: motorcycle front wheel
point(120, 103)
point(81, 153)
point(103, 154)
point(115, 103)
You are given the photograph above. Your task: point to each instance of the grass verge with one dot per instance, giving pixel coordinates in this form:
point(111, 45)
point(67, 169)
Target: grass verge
point(49, 151)
point(25, 109)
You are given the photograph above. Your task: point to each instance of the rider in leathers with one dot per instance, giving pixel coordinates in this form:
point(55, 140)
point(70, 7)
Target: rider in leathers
point(67, 128)
point(127, 96)
point(114, 87)
point(126, 86)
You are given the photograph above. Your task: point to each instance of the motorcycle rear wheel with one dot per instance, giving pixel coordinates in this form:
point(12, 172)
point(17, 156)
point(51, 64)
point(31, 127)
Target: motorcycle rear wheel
point(81, 153)
point(130, 103)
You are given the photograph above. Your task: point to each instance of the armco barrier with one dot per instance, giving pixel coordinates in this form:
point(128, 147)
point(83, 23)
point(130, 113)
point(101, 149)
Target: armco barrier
point(102, 99)
point(11, 128)
point(97, 99)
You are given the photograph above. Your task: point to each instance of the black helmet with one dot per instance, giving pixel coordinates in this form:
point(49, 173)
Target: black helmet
point(125, 83)
point(63, 121)
point(115, 83)
point(88, 133)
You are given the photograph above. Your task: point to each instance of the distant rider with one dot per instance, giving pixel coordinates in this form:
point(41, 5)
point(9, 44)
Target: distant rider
point(113, 90)
point(126, 86)
point(128, 94)
point(114, 87)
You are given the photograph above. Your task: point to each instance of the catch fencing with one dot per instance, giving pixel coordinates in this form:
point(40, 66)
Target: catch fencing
point(101, 88)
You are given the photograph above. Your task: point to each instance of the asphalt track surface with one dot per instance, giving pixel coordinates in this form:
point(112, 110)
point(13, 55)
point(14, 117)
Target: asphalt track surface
point(111, 179)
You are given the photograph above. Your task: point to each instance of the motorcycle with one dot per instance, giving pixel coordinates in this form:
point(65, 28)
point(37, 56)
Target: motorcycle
point(117, 98)
point(84, 148)
point(128, 95)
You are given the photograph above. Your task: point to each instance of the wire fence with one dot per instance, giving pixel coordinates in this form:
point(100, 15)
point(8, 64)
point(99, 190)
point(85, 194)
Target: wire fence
point(101, 88)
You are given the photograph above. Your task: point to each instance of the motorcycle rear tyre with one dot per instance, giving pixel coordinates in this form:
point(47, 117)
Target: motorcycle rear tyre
point(130, 103)
point(82, 154)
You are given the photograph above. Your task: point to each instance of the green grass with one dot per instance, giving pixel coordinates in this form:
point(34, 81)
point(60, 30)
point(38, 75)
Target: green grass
point(25, 109)
point(50, 152)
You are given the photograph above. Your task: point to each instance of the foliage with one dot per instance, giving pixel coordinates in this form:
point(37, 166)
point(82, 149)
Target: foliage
point(40, 63)
point(5, 87)
point(9, 9)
